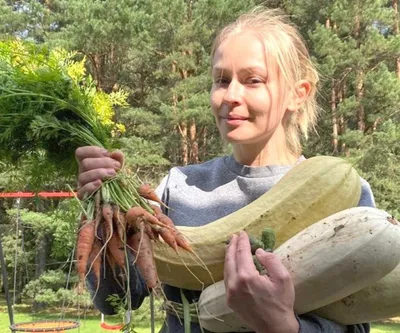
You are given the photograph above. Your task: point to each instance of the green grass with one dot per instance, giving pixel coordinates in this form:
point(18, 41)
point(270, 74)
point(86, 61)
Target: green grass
point(88, 324)
point(91, 323)
point(385, 328)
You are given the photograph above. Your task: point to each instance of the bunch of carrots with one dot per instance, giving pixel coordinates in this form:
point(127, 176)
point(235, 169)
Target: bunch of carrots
point(112, 232)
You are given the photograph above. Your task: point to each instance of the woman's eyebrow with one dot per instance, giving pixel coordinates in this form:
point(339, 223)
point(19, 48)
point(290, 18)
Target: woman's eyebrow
point(219, 70)
point(254, 69)
point(244, 70)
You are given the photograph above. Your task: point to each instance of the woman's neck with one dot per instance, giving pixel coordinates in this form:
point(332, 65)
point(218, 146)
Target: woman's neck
point(273, 152)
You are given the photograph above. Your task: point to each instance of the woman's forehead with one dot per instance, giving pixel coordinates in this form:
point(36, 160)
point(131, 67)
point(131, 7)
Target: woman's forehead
point(243, 51)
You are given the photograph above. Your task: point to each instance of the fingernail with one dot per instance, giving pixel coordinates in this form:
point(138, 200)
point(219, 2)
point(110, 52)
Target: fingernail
point(117, 165)
point(111, 172)
point(105, 152)
point(260, 251)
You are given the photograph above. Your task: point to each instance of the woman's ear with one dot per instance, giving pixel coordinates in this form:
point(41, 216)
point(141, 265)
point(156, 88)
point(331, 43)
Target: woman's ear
point(299, 95)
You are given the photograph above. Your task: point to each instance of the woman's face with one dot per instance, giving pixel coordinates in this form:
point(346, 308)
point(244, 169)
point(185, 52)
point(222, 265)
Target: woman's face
point(248, 96)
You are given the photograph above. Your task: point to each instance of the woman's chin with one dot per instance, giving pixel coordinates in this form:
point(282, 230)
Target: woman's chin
point(234, 138)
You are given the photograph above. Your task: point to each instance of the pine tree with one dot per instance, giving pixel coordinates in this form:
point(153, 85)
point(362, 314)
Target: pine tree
point(356, 47)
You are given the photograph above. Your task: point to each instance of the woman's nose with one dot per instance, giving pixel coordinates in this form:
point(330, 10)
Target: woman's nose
point(234, 93)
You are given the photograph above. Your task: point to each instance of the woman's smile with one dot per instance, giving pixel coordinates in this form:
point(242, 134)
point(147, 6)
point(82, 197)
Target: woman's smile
point(235, 120)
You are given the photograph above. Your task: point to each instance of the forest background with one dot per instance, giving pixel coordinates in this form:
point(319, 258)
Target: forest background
point(158, 53)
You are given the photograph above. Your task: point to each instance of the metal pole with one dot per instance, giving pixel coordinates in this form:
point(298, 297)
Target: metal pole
point(127, 319)
point(5, 284)
point(152, 315)
point(16, 249)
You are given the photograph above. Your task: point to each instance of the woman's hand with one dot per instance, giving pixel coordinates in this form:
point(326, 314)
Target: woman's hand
point(95, 164)
point(264, 302)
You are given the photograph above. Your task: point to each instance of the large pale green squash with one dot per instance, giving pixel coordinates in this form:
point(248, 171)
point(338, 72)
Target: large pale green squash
point(331, 259)
point(309, 192)
point(379, 301)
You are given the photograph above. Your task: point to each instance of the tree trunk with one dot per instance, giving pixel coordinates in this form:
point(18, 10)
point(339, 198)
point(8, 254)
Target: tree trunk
point(342, 123)
point(112, 70)
point(359, 98)
point(375, 125)
point(398, 68)
point(190, 10)
point(204, 143)
point(97, 69)
point(194, 149)
point(342, 120)
point(334, 119)
point(183, 126)
point(396, 32)
point(184, 143)
point(357, 32)
point(359, 80)
point(328, 23)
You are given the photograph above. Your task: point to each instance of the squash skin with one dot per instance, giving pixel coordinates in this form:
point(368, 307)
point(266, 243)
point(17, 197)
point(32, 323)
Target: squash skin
point(379, 301)
point(314, 189)
point(360, 246)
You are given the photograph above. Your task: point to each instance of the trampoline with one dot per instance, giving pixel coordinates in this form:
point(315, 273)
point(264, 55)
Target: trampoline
point(45, 326)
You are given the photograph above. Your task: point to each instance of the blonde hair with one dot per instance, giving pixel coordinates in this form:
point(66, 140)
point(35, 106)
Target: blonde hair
point(287, 47)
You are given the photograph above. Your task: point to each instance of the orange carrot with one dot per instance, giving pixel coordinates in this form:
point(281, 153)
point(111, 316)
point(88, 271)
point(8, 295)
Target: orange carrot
point(148, 193)
point(139, 212)
point(132, 242)
point(122, 221)
point(161, 216)
point(168, 237)
point(179, 238)
point(97, 200)
point(115, 210)
point(117, 250)
point(182, 242)
point(141, 243)
point(86, 237)
point(108, 222)
point(95, 259)
point(151, 232)
point(119, 222)
point(157, 210)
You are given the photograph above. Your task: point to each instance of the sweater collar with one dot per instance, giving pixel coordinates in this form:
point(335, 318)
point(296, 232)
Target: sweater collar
point(256, 172)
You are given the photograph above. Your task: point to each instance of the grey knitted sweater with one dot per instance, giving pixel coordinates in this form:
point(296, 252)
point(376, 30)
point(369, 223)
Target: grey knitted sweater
point(202, 193)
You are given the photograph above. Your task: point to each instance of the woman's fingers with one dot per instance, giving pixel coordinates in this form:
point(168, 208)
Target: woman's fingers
point(244, 258)
point(230, 261)
point(91, 163)
point(88, 188)
point(95, 165)
point(89, 181)
point(90, 151)
point(277, 272)
point(118, 156)
point(95, 174)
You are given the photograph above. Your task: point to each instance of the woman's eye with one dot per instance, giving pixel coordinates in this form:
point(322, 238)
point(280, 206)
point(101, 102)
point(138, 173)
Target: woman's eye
point(253, 80)
point(221, 80)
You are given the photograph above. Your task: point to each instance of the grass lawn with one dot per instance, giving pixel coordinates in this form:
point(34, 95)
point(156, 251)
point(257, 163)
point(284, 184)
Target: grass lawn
point(89, 320)
point(88, 324)
point(91, 323)
point(386, 328)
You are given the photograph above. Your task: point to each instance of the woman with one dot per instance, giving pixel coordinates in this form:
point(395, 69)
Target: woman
point(263, 100)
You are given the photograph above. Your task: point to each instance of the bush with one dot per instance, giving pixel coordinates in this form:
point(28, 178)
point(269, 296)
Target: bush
point(50, 289)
